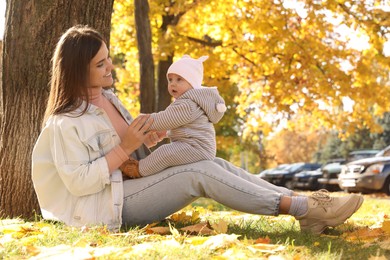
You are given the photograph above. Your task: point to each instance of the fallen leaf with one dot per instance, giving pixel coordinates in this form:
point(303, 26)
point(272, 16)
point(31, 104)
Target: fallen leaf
point(365, 234)
point(220, 227)
point(234, 253)
point(198, 229)
point(158, 230)
point(386, 226)
point(179, 217)
point(262, 240)
point(196, 241)
point(81, 243)
point(174, 231)
point(32, 250)
point(195, 217)
point(220, 241)
point(267, 248)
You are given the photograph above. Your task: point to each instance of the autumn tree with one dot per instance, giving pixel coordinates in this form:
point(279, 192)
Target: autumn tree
point(130, 38)
point(296, 145)
point(31, 31)
point(286, 59)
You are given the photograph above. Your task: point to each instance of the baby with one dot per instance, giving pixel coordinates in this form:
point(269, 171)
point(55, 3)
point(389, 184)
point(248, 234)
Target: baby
point(189, 119)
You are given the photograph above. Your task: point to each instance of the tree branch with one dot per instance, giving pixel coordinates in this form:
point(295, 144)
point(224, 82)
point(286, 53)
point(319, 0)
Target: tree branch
point(206, 41)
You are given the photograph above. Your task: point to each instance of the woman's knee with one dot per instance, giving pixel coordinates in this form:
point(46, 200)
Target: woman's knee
point(219, 161)
point(205, 166)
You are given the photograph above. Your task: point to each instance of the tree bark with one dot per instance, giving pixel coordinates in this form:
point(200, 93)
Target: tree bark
point(164, 98)
point(32, 29)
point(144, 41)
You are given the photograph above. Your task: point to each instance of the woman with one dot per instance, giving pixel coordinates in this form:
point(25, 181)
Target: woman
point(87, 135)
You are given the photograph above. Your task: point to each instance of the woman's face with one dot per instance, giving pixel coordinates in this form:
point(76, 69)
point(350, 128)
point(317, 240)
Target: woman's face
point(100, 69)
point(177, 86)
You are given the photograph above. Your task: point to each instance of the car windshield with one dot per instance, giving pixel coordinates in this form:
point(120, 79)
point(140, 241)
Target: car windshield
point(353, 156)
point(282, 167)
point(295, 166)
point(384, 152)
point(332, 165)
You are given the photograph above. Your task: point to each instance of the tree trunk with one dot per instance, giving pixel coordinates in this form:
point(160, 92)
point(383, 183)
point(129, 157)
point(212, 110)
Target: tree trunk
point(164, 98)
point(32, 29)
point(144, 41)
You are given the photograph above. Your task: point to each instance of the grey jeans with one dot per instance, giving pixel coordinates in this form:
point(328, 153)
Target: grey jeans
point(155, 197)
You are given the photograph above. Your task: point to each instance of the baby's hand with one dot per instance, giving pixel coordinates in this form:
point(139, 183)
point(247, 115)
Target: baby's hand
point(162, 135)
point(155, 137)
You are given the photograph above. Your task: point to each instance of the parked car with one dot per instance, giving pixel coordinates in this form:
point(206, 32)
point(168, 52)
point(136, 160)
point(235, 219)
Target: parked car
point(330, 173)
point(361, 154)
point(307, 180)
point(367, 175)
point(284, 177)
point(277, 168)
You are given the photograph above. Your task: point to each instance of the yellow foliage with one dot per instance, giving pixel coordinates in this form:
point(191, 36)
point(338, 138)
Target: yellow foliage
point(283, 60)
point(286, 145)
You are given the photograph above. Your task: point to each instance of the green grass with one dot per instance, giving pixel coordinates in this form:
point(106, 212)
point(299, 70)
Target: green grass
point(22, 240)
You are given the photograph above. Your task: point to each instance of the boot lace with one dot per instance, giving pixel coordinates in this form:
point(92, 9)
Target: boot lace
point(322, 198)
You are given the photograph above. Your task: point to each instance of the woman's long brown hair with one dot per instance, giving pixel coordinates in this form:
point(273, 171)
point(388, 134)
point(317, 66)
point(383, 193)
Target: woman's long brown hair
point(70, 70)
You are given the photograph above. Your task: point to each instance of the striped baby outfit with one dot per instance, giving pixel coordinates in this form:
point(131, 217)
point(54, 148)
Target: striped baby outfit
point(190, 120)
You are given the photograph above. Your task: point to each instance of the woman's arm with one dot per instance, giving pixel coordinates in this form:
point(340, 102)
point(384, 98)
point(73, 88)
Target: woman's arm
point(81, 162)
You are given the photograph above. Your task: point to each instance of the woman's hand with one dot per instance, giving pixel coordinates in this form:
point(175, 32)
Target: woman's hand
point(137, 133)
point(154, 138)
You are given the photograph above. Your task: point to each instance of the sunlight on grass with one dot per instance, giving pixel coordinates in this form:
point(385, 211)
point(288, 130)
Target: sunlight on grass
point(245, 236)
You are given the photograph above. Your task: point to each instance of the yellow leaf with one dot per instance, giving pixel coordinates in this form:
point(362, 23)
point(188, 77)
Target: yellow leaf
point(32, 250)
point(179, 217)
point(196, 240)
point(220, 227)
point(174, 231)
point(182, 217)
point(365, 234)
point(386, 226)
point(195, 216)
point(81, 243)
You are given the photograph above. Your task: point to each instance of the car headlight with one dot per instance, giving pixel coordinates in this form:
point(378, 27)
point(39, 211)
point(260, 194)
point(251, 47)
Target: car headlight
point(375, 169)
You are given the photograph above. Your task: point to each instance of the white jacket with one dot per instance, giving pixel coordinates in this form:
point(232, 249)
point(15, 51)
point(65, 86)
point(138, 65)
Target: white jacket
point(70, 173)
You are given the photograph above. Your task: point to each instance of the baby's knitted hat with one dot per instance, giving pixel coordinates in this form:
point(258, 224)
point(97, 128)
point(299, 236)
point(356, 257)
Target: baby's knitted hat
point(189, 69)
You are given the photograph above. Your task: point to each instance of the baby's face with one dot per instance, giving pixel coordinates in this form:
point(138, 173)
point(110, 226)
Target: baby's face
point(177, 85)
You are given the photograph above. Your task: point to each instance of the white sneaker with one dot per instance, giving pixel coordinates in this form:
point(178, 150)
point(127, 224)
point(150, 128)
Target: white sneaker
point(325, 211)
